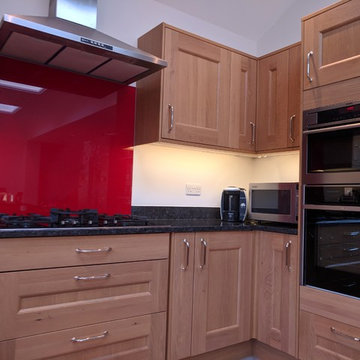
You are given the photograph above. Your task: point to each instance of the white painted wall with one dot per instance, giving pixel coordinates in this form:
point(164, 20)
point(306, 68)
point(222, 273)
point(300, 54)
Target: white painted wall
point(129, 19)
point(287, 30)
point(280, 167)
point(161, 172)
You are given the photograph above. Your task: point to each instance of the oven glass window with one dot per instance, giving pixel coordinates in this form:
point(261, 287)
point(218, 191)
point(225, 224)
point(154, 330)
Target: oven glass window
point(332, 250)
point(271, 201)
point(334, 151)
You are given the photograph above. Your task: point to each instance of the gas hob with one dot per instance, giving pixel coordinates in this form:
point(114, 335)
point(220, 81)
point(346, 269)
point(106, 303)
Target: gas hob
point(66, 218)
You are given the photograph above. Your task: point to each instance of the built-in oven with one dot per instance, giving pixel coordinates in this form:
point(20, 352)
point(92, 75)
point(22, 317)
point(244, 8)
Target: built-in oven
point(331, 232)
point(331, 145)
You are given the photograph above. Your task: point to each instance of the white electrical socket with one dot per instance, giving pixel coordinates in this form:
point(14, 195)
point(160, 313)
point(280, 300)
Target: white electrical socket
point(193, 189)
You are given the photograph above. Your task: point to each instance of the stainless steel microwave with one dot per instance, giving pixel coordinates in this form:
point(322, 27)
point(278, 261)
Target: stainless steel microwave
point(277, 202)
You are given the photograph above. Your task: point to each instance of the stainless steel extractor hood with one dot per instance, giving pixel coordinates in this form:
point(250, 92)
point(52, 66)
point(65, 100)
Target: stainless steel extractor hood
point(56, 42)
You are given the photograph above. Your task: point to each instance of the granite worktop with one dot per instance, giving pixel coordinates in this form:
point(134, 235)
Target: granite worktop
point(161, 220)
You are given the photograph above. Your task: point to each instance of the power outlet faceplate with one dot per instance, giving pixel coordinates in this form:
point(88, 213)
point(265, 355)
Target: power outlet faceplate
point(192, 189)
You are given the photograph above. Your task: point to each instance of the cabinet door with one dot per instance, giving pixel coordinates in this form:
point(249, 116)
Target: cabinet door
point(332, 37)
point(222, 290)
point(242, 102)
point(271, 127)
point(294, 108)
point(325, 339)
point(196, 90)
point(180, 295)
point(276, 290)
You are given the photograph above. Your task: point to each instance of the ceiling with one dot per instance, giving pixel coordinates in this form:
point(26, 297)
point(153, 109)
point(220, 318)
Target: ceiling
point(250, 19)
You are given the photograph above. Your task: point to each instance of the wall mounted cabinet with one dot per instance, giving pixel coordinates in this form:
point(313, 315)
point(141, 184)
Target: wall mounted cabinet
point(331, 55)
point(210, 294)
point(331, 45)
point(278, 118)
point(206, 96)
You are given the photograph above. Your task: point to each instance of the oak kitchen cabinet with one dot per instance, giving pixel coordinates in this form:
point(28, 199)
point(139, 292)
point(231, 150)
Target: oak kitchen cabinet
point(276, 290)
point(331, 45)
point(206, 96)
point(210, 292)
point(279, 86)
point(331, 55)
point(329, 325)
point(69, 297)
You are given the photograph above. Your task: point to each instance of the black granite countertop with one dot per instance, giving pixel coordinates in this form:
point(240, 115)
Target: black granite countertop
point(155, 226)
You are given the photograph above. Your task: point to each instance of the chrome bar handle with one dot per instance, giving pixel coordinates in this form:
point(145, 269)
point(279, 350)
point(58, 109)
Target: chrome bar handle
point(352, 250)
point(291, 132)
point(252, 132)
point(93, 277)
point(187, 255)
point(204, 248)
point(310, 53)
point(90, 338)
point(288, 255)
point(352, 233)
point(171, 112)
point(333, 128)
point(88, 251)
point(337, 332)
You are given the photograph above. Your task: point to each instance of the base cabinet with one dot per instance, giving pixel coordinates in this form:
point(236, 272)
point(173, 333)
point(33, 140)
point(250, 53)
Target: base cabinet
point(136, 338)
point(210, 292)
point(276, 290)
point(110, 304)
point(326, 339)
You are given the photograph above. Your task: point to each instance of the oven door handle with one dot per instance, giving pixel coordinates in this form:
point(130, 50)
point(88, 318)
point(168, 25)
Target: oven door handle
point(334, 208)
point(333, 128)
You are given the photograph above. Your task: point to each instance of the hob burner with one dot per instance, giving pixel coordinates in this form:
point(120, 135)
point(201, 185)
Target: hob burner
point(67, 218)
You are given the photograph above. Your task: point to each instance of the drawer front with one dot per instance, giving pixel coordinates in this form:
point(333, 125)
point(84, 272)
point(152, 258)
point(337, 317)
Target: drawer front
point(325, 339)
point(47, 252)
point(139, 338)
point(40, 301)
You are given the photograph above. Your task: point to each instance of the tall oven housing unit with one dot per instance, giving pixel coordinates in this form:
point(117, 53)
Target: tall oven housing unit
point(331, 198)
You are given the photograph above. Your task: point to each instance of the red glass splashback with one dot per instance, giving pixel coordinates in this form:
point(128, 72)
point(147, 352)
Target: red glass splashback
point(66, 146)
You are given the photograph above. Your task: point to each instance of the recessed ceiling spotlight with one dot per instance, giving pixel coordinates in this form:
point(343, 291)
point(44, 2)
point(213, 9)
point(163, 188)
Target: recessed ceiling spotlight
point(21, 87)
point(8, 109)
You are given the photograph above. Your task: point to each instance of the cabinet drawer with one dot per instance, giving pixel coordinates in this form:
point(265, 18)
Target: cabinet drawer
point(325, 339)
point(47, 252)
point(138, 338)
point(40, 301)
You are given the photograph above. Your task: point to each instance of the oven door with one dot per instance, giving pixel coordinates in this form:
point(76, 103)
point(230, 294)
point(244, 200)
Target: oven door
point(332, 155)
point(332, 250)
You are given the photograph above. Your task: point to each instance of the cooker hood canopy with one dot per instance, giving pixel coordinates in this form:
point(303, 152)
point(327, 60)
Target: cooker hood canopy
point(57, 42)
